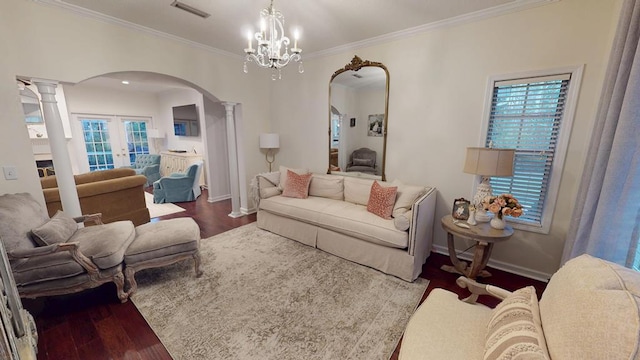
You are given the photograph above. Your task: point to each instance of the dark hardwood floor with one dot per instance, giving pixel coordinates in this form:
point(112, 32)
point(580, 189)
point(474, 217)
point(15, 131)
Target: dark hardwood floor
point(95, 325)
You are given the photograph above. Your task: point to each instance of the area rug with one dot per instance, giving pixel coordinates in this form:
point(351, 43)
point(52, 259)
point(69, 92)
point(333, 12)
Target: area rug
point(156, 210)
point(263, 296)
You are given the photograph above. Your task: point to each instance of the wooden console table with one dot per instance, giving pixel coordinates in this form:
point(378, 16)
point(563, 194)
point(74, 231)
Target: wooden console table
point(173, 162)
point(484, 236)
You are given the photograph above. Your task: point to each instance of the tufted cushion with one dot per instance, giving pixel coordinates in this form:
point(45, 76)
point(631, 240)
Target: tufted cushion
point(514, 330)
point(327, 186)
point(57, 230)
point(283, 175)
point(297, 186)
point(589, 310)
point(381, 200)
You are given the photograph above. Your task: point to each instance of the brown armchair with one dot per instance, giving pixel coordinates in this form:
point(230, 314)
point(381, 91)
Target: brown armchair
point(52, 256)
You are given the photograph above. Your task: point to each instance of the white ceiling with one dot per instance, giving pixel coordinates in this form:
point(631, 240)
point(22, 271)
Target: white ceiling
point(326, 26)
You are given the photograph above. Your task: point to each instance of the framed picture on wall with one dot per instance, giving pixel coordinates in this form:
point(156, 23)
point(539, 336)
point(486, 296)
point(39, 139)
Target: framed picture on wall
point(352, 123)
point(376, 125)
point(460, 209)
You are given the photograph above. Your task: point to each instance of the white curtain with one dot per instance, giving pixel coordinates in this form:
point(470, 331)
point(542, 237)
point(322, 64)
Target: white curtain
point(606, 218)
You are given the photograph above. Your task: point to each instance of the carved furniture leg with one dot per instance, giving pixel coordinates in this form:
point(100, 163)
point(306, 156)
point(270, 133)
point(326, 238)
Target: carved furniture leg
point(459, 267)
point(480, 260)
point(196, 264)
point(129, 273)
point(118, 279)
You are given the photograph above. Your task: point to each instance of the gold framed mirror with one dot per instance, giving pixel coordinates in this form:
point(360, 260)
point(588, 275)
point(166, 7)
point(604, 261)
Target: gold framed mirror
point(358, 119)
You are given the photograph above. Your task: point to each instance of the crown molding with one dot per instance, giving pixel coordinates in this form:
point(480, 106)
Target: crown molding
point(132, 26)
point(518, 5)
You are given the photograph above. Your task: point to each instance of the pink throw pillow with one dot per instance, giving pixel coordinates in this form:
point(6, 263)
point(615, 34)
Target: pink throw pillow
point(381, 200)
point(297, 186)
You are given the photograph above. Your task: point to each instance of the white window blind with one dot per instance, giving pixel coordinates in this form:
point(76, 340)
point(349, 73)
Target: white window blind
point(526, 115)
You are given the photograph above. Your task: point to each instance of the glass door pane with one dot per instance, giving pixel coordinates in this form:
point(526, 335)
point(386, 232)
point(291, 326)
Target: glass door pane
point(98, 144)
point(136, 138)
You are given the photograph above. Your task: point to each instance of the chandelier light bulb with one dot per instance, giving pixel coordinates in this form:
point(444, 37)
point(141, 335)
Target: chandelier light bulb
point(272, 50)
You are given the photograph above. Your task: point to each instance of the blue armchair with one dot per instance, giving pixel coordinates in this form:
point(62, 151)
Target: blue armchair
point(178, 187)
point(147, 165)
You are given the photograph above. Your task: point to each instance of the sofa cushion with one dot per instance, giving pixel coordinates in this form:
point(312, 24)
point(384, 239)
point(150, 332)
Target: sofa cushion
point(163, 238)
point(19, 213)
point(327, 186)
point(48, 267)
point(403, 222)
point(339, 216)
point(407, 196)
point(362, 162)
point(283, 175)
point(297, 186)
point(57, 230)
point(105, 244)
point(590, 309)
point(514, 330)
point(357, 190)
point(381, 200)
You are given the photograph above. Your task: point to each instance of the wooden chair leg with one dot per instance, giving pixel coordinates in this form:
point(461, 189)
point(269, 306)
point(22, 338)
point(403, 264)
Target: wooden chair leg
point(118, 279)
point(196, 264)
point(130, 273)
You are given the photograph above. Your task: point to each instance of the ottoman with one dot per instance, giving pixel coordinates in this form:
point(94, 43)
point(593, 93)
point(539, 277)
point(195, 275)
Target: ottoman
point(162, 243)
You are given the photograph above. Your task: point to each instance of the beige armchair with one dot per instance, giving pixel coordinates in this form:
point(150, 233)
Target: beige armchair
point(589, 311)
point(52, 256)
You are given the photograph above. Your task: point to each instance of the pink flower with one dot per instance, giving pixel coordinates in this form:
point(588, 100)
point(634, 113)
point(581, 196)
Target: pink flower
point(494, 208)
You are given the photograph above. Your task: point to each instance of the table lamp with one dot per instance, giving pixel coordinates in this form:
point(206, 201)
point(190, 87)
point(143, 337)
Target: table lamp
point(487, 162)
point(269, 142)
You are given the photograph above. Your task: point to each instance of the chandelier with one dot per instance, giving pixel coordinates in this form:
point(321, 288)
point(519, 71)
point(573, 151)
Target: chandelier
point(272, 50)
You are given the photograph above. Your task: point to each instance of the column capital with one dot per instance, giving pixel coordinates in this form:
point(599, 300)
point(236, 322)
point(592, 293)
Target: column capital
point(229, 105)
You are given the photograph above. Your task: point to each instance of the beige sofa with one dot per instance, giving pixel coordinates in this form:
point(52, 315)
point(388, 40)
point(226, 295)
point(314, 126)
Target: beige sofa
point(118, 194)
point(334, 218)
point(589, 310)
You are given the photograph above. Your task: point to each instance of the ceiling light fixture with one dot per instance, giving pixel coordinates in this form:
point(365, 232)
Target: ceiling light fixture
point(125, 82)
point(271, 43)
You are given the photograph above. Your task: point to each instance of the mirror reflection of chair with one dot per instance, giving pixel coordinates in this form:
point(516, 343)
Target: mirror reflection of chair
point(147, 165)
point(362, 160)
point(179, 187)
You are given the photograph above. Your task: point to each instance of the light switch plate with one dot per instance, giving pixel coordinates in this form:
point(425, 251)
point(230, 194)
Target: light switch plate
point(10, 172)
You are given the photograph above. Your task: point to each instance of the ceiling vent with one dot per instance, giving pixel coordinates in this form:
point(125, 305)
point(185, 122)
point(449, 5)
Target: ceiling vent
point(190, 9)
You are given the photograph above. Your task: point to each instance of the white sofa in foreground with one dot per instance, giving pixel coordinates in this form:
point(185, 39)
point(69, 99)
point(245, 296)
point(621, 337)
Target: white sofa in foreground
point(334, 218)
point(589, 311)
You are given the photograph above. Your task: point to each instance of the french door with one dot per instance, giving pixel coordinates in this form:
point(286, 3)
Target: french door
point(113, 141)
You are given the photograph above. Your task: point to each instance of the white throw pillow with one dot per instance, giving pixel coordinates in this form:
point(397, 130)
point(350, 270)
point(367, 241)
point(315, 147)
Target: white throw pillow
point(402, 222)
point(407, 196)
point(327, 186)
point(357, 190)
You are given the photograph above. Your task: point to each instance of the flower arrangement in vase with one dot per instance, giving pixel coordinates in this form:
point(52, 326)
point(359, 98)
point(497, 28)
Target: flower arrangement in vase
point(502, 205)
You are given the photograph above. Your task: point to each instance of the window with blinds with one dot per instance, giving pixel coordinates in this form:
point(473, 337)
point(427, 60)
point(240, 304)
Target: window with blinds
point(526, 115)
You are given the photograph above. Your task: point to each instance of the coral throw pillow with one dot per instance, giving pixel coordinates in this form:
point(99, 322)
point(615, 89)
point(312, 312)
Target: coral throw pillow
point(381, 200)
point(297, 186)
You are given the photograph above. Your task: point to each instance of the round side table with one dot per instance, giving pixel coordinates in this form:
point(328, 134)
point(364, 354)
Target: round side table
point(484, 236)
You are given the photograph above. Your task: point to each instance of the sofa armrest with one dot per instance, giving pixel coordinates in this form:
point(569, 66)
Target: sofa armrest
point(151, 169)
point(96, 218)
point(71, 247)
point(478, 289)
point(421, 230)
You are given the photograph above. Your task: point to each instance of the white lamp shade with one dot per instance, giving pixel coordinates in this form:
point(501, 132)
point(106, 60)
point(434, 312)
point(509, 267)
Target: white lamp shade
point(155, 133)
point(489, 162)
point(269, 141)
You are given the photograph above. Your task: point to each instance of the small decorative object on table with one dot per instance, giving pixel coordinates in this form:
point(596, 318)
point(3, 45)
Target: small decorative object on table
point(472, 216)
point(502, 205)
point(460, 209)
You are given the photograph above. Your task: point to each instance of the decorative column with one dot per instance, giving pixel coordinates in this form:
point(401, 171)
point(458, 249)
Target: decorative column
point(58, 144)
point(234, 178)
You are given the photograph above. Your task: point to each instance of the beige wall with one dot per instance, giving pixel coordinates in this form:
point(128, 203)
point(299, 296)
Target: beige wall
point(46, 42)
point(438, 82)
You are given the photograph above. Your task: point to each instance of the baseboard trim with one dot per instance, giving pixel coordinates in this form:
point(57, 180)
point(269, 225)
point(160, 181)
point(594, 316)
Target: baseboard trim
point(218, 198)
point(246, 211)
point(514, 269)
